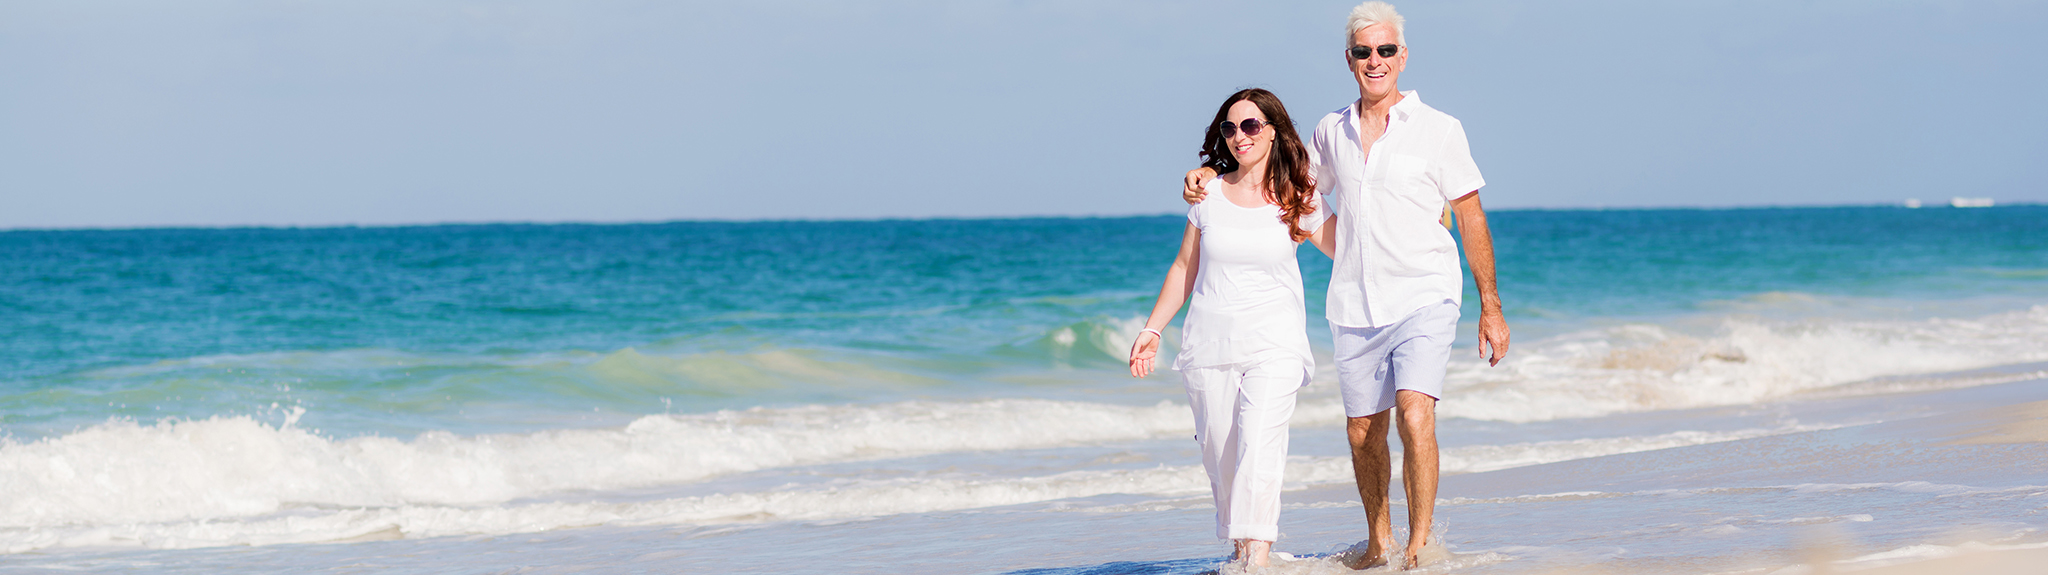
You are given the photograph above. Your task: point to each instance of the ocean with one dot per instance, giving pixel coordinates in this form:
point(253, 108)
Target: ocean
point(1688, 391)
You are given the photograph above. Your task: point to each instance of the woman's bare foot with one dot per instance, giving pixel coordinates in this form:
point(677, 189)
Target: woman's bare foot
point(1256, 552)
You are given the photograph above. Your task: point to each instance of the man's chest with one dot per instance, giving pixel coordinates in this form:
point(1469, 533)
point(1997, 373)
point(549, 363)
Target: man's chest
point(1375, 161)
point(1368, 135)
point(1381, 173)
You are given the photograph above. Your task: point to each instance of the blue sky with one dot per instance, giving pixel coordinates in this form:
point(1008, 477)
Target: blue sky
point(323, 112)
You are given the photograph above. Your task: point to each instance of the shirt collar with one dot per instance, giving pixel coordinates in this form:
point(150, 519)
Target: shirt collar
point(1410, 100)
point(1401, 111)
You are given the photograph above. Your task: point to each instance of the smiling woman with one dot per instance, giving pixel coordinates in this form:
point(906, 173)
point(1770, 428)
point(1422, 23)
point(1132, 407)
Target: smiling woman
point(1244, 349)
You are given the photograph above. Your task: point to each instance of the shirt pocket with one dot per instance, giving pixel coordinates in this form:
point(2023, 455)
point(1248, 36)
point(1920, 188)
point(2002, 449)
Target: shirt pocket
point(1414, 211)
point(1409, 177)
point(1412, 190)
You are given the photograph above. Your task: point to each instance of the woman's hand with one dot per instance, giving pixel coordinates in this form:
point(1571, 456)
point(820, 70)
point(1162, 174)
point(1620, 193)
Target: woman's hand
point(1143, 353)
point(1194, 188)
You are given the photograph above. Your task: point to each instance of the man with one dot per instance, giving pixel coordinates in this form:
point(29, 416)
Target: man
point(1387, 165)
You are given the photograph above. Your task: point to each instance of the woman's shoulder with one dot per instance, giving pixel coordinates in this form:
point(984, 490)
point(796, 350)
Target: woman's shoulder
point(1212, 193)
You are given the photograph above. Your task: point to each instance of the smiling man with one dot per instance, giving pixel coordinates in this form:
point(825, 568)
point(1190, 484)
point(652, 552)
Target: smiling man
point(1387, 165)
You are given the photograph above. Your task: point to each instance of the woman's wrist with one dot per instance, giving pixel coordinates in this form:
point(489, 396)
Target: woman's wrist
point(1153, 332)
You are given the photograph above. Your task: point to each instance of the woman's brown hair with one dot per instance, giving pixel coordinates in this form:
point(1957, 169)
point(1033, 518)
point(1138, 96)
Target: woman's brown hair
point(1288, 181)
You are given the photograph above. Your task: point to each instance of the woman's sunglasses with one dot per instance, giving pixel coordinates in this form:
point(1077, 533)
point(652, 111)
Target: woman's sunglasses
point(1385, 50)
point(1252, 127)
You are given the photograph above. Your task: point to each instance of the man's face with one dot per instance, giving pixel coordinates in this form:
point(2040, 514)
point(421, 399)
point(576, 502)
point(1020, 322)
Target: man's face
point(1377, 75)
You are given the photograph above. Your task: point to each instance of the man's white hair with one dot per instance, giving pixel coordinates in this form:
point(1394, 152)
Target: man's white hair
point(1375, 12)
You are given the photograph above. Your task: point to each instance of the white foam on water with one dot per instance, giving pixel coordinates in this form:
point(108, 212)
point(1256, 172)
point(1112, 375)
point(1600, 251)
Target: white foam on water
point(1102, 340)
point(1287, 564)
point(1938, 489)
point(233, 481)
point(1642, 367)
point(1480, 458)
point(1483, 458)
point(1851, 518)
point(121, 472)
point(1924, 552)
point(856, 499)
point(1536, 498)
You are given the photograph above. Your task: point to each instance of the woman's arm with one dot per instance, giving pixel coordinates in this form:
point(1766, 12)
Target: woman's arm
point(1180, 280)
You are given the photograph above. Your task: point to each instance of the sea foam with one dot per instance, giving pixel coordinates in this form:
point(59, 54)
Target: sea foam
point(864, 498)
point(236, 480)
point(1646, 367)
point(122, 471)
point(233, 481)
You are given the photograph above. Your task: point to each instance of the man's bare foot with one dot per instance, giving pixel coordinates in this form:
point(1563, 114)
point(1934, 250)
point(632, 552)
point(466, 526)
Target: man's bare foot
point(1425, 555)
point(1365, 561)
point(1361, 559)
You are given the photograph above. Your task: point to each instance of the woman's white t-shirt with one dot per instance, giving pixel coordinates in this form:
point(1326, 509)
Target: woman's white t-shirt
point(1247, 304)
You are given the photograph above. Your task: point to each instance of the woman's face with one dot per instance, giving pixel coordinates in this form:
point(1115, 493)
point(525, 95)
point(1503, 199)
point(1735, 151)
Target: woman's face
point(1249, 149)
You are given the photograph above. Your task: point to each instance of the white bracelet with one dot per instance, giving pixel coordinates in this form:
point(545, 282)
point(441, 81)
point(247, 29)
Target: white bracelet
point(1154, 332)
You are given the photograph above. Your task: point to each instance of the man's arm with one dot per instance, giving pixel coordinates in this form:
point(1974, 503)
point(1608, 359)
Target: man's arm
point(1493, 326)
point(1325, 238)
point(1195, 187)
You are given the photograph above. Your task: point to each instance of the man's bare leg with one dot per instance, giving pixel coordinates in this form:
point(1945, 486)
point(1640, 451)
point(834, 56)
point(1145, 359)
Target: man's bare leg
point(1372, 466)
point(1418, 467)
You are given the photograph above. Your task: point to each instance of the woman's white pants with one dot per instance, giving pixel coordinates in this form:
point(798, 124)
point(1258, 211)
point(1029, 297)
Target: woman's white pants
point(1241, 414)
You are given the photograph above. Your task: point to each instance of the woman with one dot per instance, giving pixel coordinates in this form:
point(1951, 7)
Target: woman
point(1244, 347)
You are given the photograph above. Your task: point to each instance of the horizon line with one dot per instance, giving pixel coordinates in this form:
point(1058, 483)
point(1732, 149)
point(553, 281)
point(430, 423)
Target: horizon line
point(425, 224)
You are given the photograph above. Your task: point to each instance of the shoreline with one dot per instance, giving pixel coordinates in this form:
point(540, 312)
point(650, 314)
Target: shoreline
point(1792, 487)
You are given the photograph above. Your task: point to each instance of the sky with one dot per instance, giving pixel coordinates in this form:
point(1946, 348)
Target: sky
point(141, 113)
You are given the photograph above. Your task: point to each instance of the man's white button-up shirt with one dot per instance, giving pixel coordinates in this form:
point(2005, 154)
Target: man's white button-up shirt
point(1393, 254)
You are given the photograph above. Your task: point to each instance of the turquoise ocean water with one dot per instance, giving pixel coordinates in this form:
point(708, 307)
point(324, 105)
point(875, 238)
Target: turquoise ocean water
point(166, 395)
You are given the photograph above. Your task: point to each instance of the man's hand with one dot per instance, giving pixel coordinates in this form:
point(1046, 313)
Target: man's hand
point(1194, 189)
point(1493, 327)
point(1493, 332)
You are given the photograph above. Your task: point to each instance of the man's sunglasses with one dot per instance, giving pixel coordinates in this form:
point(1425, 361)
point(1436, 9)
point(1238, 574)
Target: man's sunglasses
point(1385, 50)
point(1252, 127)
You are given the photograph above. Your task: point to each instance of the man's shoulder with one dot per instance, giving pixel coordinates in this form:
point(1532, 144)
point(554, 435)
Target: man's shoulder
point(1427, 113)
point(1331, 123)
